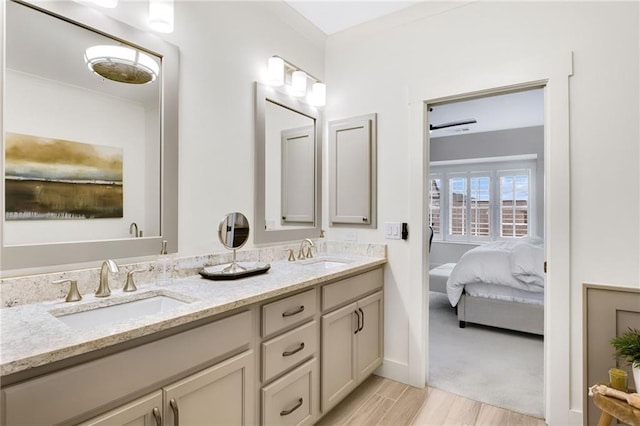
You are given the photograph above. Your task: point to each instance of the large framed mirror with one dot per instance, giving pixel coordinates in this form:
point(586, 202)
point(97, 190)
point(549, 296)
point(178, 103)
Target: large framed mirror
point(288, 167)
point(90, 159)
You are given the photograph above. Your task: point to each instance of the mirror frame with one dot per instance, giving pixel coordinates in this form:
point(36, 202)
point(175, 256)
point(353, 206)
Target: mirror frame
point(266, 93)
point(16, 257)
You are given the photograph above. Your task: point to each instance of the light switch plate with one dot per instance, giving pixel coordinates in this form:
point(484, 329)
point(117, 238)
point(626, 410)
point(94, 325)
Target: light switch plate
point(392, 230)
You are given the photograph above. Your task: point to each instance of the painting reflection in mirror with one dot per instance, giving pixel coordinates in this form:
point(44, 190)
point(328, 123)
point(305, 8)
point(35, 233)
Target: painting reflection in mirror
point(90, 135)
point(58, 179)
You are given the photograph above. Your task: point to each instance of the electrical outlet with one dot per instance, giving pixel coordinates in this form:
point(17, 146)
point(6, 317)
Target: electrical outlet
point(351, 236)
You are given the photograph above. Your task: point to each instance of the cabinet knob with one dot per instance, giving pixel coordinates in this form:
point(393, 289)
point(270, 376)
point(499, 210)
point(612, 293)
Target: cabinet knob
point(365, 219)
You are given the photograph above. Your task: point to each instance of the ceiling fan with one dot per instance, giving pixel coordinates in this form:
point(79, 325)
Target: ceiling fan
point(452, 124)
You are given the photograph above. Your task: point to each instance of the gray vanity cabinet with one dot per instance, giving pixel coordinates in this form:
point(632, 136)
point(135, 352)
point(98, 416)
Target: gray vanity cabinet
point(218, 395)
point(146, 411)
point(208, 370)
point(352, 335)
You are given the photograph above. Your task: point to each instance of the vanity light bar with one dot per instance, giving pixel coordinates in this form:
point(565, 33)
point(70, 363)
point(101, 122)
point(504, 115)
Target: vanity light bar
point(277, 71)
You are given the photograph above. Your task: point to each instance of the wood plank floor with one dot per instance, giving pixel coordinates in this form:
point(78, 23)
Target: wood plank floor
point(379, 401)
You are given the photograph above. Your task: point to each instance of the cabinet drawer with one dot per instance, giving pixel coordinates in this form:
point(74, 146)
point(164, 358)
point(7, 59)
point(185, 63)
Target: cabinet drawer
point(292, 399)
point(293, 310)
point(341, 292)
point(96, 384)
point(289, 349)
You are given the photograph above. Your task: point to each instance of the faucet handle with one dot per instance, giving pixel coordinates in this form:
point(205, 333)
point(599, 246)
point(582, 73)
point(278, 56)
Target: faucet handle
point(131, 285)
point(291, 257)
point(309, 253)
point(74, 294)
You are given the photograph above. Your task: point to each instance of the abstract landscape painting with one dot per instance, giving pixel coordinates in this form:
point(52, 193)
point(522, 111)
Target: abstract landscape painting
point(58, 179)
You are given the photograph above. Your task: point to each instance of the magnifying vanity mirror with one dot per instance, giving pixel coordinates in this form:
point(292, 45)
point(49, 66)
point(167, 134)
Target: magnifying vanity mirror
point(233, 232)
point(288, 167)
point(87, 155)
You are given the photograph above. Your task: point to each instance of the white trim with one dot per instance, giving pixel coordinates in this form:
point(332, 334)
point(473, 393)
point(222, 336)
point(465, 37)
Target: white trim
point(551, 71)
point(485, 160)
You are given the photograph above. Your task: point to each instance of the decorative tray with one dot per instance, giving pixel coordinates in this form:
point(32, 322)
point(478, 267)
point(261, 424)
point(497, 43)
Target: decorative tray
point(220, 272)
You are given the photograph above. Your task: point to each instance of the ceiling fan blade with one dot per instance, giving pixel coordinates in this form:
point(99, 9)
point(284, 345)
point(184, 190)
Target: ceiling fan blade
point(452, 124)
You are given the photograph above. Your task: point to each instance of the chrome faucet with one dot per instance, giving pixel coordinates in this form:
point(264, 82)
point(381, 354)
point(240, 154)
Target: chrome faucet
point(103, 289)
point(131, 227)
point(301, 253)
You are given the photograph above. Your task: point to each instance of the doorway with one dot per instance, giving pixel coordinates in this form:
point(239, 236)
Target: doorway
point(486, 189)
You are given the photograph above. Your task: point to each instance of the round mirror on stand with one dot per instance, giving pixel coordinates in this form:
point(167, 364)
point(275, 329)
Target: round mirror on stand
point(233, 233)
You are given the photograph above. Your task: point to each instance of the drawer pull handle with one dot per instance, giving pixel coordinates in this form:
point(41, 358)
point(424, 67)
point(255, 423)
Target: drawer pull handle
point(292, 313)
point(157, 416)
point(176, 413)
point(361, 313)
point(295, 351)
point(292, 409)
point(357, 322)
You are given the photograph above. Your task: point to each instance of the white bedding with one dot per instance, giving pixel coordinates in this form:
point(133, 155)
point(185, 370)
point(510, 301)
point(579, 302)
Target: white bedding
point(501, 292)
point(515, 264)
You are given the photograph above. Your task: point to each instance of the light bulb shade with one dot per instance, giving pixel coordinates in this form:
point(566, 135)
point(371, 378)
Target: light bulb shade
point(299, 83)
point(106, 3)
point(122, 64)
point(275, 71)
point(319, 94)
point(161, 15)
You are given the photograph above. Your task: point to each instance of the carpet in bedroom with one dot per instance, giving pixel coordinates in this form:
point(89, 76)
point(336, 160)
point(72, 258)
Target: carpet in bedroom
point(494, 366)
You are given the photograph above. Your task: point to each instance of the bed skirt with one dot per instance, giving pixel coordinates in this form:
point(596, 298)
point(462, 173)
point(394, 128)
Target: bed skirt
point(525, 317)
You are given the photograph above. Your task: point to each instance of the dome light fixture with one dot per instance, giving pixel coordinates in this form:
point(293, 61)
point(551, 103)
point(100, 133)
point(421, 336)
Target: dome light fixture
point(122, 64)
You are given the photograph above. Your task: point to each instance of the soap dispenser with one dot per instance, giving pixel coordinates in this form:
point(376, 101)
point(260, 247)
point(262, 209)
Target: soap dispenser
point(163, 266)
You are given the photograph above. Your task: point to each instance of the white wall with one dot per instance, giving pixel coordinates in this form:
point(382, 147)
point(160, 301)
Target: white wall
point(374, 67)
point(224, 47)
point(46, 108)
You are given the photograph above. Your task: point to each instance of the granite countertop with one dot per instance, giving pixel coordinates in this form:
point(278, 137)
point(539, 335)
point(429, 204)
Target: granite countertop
point(31, 335)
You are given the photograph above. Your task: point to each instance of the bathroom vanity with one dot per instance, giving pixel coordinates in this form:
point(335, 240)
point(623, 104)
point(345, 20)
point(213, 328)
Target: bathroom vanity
point(279, 348)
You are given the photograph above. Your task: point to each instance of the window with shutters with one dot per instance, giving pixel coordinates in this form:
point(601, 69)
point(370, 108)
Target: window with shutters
point(476, 201)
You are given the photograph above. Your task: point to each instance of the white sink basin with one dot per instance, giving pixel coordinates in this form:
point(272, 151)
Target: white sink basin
point(324, 263)
point(123, 312)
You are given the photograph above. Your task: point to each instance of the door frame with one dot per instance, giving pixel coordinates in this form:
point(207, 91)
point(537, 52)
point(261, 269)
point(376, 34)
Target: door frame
point(551, 72)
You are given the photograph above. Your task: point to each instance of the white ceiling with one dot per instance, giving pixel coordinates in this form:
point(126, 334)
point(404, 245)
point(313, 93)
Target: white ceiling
point(332, 16)
point(514, 110)
point(507, 111)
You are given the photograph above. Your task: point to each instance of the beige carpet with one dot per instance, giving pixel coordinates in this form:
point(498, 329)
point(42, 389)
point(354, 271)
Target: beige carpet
point(494, 366)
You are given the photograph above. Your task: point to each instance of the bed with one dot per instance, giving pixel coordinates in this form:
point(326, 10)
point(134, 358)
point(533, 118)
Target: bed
point(500, 284)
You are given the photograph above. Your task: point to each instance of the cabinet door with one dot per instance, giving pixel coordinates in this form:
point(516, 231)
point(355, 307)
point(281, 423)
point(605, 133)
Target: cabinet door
point(146, 411)
point(219, 395)
point(352, 170)
point(369, 339)
point(338, 355)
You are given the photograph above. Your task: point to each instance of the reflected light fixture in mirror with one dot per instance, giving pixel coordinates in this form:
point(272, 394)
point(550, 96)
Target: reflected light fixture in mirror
point(122, 64)
point(147, 125)
point(161, 15)
point(277, 72)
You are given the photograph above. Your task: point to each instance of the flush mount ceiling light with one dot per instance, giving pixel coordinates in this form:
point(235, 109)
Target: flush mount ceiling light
point(122, 64)
point(161, 15)
point(280, 71)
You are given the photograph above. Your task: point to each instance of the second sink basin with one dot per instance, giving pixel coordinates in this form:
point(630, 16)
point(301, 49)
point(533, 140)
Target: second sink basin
point(324, 263)
point(122, 312)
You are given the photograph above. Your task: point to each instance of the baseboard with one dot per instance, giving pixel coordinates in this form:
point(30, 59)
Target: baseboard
point(394, 370)
point(576, 417)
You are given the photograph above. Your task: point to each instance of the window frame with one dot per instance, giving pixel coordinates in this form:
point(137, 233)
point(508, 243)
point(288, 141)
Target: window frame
point(494, 168)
